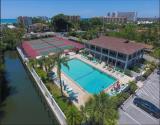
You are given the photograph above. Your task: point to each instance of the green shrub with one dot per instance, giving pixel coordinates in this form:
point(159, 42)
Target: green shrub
point(135, 68)
point(147, 73)
point(42, 74)
point(132, 87)
point(156, 53)
point(128, 72)
point(63, 102)
point(151, 67)
point(119, 99)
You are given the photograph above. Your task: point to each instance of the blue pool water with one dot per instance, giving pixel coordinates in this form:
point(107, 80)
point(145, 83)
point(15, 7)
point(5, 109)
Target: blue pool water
point(89, 78)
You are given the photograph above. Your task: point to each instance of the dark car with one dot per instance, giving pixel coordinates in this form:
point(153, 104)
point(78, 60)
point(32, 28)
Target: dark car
point(158, 72)
point(147, 106)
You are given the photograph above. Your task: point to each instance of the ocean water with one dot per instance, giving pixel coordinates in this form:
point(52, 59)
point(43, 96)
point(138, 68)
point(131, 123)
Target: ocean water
point(9, 21)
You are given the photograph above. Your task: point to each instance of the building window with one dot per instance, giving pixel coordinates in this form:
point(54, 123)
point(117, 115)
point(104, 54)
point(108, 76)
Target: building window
point(104, 51)
point(106, 59)
point(130, 57)
point(112, 53)
point(121, 56)
point(92, 47)
point(98, 49)
point(103, 58)
point(87, 46)
point(134, 55)
point(97, 56)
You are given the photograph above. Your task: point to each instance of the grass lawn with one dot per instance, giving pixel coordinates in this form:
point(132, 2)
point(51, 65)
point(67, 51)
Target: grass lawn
point(156, 53)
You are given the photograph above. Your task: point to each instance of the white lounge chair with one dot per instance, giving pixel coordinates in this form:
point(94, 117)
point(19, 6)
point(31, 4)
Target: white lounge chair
point(68, 89)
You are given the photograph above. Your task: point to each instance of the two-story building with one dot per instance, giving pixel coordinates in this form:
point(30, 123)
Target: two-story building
point(117, 52)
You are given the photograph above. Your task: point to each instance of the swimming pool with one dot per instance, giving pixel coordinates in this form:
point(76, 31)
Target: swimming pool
point(89, 78)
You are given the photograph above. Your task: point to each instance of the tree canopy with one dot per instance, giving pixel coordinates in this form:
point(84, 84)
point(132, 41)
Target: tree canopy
point(11, 38)
point(100, 110)
point(60, 23)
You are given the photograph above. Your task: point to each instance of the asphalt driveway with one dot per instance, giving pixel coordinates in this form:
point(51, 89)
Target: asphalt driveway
point(131, 114)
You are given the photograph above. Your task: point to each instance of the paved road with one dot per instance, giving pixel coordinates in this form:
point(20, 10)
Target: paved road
point(131, 114)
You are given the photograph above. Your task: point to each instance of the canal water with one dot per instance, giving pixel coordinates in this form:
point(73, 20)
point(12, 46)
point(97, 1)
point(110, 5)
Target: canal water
point(24, 105)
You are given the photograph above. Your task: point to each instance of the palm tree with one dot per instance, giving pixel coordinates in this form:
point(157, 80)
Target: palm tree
point(50, 61)
point(45, 63)
point(100, 110)
point(74, 117)
point(40, 62)
point(33, 63)
point(84, 115)
point(58, 61)
point(19, 33)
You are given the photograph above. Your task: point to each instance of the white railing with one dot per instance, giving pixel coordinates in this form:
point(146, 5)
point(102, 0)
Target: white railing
point(24, 58)
point(47, 92)
point(49, 98)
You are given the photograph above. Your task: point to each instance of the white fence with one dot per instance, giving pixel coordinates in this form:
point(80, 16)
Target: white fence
point(24, 58)
point(49, 98)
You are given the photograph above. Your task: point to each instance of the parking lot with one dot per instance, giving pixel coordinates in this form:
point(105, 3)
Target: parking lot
point(133, 115)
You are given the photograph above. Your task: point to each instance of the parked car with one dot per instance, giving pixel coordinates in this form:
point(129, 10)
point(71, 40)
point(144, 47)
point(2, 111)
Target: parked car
point(140, 78)
point(147, 106)
point(158, 72)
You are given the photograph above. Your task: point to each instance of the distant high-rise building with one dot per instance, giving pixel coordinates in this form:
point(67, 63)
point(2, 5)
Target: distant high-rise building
point(24, 20)
point(110, 19)
point(73, 18)
point(114, 14)
point(43, 18)
point(108, 14)
point(131, 16)
point(117, 20)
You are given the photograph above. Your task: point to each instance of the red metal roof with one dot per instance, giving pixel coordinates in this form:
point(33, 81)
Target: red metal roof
point(69, 42)
point(29, 51)
point(33, 52)
point(117, 44)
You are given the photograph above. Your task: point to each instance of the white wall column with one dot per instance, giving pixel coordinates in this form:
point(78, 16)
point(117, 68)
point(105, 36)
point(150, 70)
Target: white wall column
point(142, 53)
point(101, 53)
point(126, 63)
point(108, 56)
point(116, 59)
point(89, 48)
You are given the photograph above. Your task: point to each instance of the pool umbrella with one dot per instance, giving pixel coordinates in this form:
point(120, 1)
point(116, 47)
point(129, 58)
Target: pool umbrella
point(81, 51)
point(90, 56)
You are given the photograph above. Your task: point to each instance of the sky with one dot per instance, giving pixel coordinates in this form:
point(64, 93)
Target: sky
point(84, 8)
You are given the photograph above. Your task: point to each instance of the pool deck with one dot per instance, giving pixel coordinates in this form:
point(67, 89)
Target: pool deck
point(83, 95)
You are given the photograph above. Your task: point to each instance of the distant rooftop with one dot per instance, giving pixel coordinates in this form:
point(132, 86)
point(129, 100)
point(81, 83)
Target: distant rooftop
point(117, 44)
